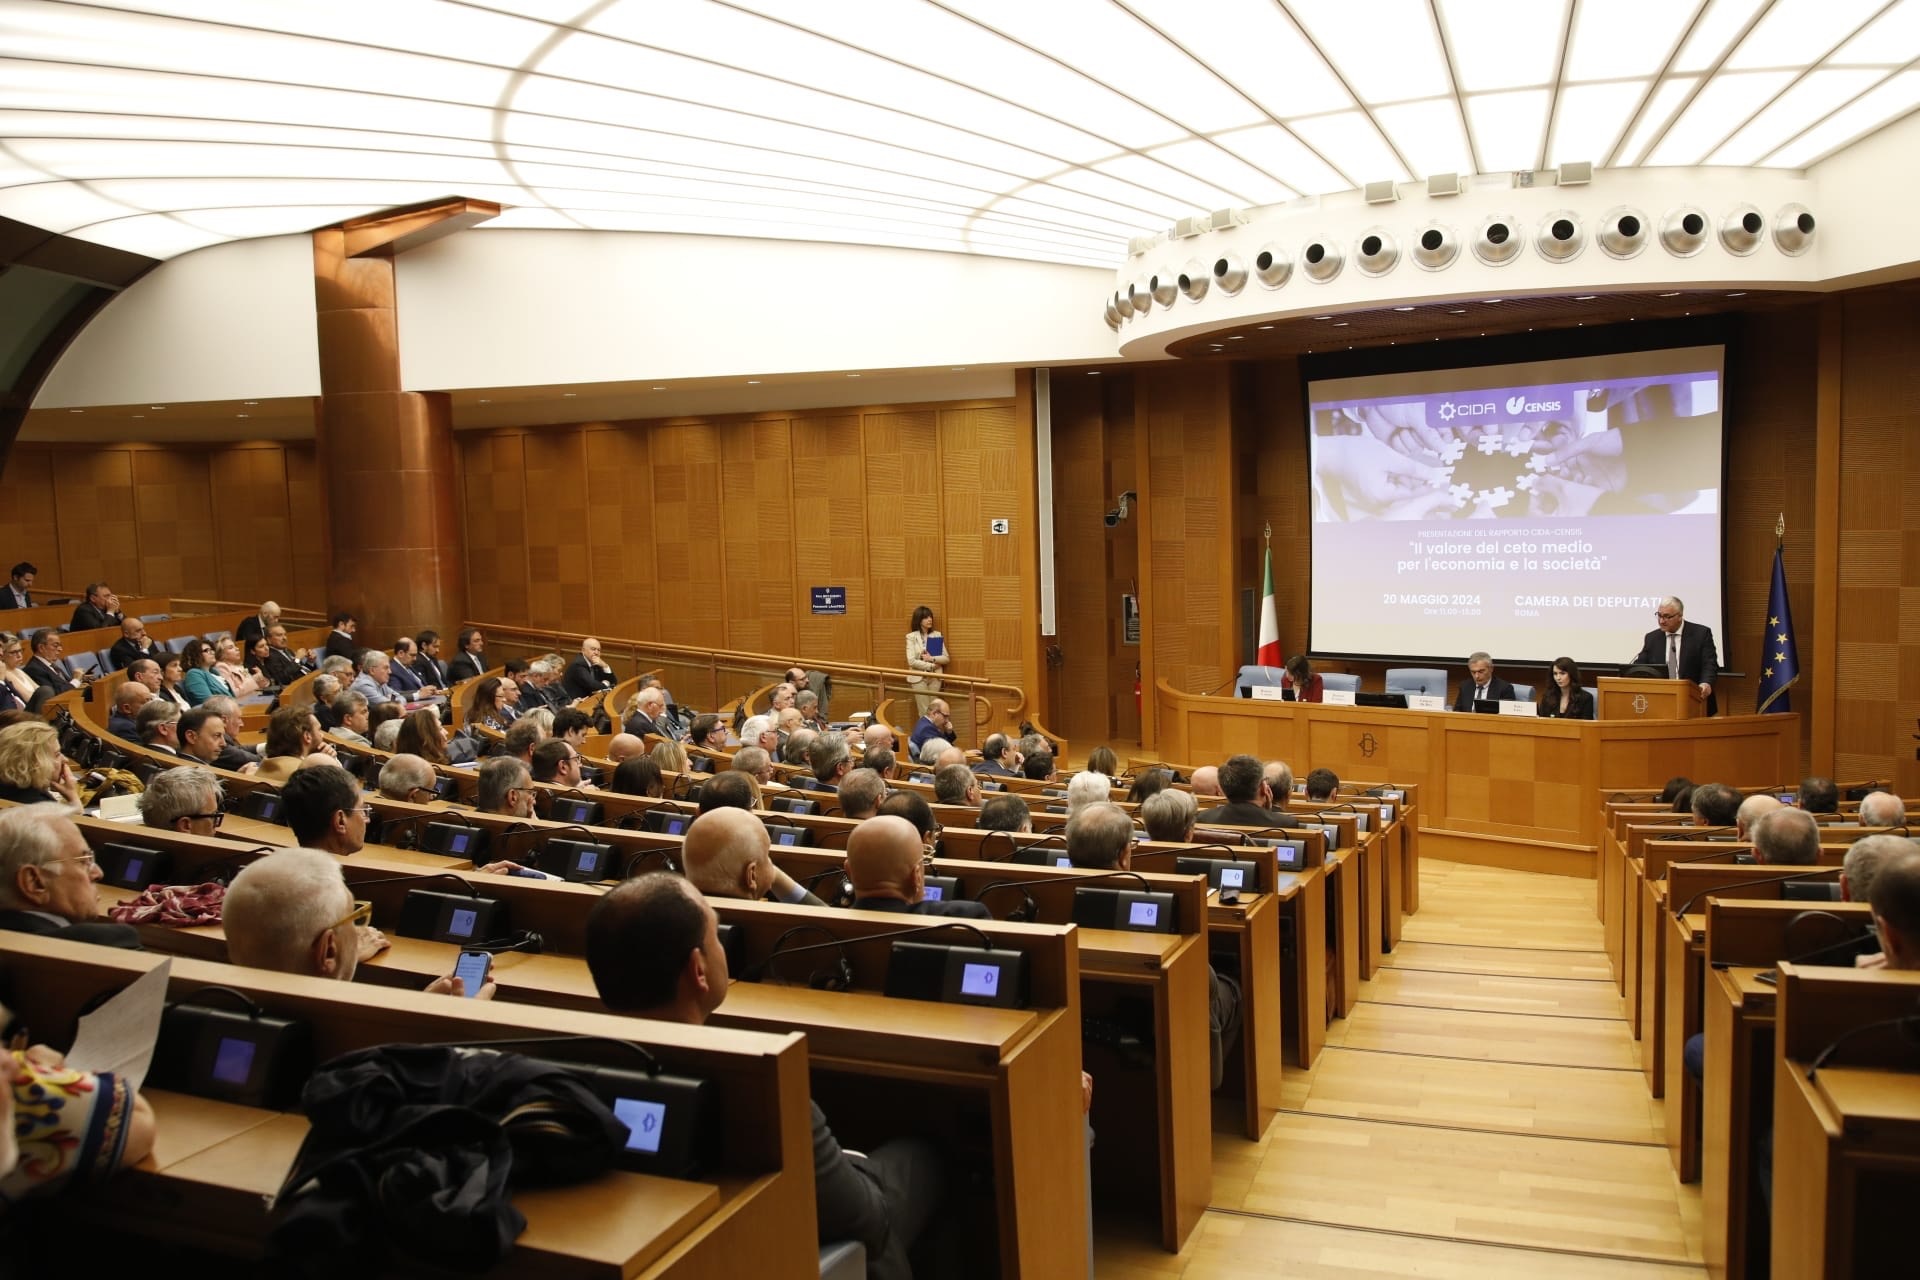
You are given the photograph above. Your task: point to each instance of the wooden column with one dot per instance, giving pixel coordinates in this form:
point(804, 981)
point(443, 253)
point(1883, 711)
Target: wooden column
point(392, 523)
point(1826, 532)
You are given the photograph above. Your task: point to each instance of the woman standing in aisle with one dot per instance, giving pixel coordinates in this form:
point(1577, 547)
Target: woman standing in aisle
point(926, 651)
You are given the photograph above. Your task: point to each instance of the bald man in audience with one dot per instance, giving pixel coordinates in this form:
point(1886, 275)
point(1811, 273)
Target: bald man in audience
point(860, 792)
point(1100, 838)
point(128, 698)
point(1751, 810)
point(1883, 809)
point(132, 646)
point(147, 672)
point(292, 912)
point(409, 778)
point(654, 950)
point(1279, 776)
point(994, 758)
point(1787, 838)
point(1896, 909)
point(623, 747)
point(877, 737)
point(956, 784)
point(727, 855)
point(1206, 782)
point(884, 862)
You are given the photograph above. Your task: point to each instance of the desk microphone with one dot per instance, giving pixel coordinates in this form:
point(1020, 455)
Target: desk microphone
point(1211, 693)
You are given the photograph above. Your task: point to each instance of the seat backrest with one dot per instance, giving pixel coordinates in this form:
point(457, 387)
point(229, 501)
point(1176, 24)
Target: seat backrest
point(85, 663)
point(1344, 681)
point(215, 637)
point(1426, 680)
point(1523, 692)
point(1594, 693)
point(155, 617)
point(105, 658)
point(179, 643)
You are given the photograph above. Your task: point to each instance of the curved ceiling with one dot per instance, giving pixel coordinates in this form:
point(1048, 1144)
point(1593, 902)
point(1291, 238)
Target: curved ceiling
point(1043, 129)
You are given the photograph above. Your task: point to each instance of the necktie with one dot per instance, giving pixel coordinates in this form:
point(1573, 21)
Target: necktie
point(1673, 656)
point(1479, 693)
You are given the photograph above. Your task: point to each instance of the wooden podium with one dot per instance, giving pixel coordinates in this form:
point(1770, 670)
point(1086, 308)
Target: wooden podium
point(1630, 698)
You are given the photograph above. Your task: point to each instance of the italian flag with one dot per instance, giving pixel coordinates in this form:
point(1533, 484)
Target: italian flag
point(1269, 654)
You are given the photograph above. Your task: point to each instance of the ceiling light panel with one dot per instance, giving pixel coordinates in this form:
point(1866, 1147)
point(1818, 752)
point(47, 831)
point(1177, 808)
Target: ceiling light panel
point(1666, 100)
point(462, 31)
point(1721, 107)
point(1105, 41)
point(1277, 151)
point(1888, 101)
point(1509, 128)
point(1151, 175)
point(1812, 98)
point(1589, 118)
point(1714, 32)
point(1209, 163)
point(1256, 46)
point(1429, 134)
point(1496, 44)
point(1387, 50)
point(1794, 33)
point(1350, 140)
point(1892, 39)
point(1625, 38)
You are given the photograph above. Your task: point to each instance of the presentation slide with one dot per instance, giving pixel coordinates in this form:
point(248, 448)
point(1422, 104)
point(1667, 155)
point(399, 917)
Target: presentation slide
point(1530, 510)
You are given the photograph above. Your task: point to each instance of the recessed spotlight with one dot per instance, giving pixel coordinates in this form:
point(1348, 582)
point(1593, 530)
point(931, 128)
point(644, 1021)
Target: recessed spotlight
point(139, 415)
point(1236, 337)
point(1674, 294)
point(753, 382)
point(1741, 294)
point(1585, 297)
point(160, 408)
point(250, 402)
point(243, 415)
point(76, 411)
point(959, 368)
point(568, 395)
point(853, 375)
point(1266, 328)
point(486, 402)
point(659, 388)
point(1343, 324)
point(1491, 300)
point(1403, 308)
point(1323, 317)
point(1462, 311)
point(1093, 373)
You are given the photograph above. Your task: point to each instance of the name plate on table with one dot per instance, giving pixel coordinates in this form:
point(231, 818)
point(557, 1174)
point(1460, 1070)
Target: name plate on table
point(1266, 692)
point(1337, 697)
point(1426, 702)
point(1516, 707)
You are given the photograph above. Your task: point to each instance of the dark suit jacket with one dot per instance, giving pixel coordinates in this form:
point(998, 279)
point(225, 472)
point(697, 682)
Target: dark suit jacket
point(463, 667)
point(233, 756)
point(42, 672)
point(639, 724)
point(88, 618)
point(1579, 707)
point(582, 678)
point(123, 727)
point(1245, 815)
point(283, 668)
point(1699, 660)
point(8, 602)
point(877, 1201)
point(430, 672)
point(343, 644)
point(959, 907)
point(1498, 690)
point(994, 769)
point(102, 933)
point(402, 679)
point(124, 654)
point(248, 631)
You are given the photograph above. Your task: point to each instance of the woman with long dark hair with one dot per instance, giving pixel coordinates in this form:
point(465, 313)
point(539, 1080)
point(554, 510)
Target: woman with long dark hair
point(926, 651)
point(1564, 698)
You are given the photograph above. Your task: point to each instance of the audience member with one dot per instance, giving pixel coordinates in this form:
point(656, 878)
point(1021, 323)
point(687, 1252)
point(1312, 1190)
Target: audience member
point(1786, 837)
point(200, 680)
point(1087, 787)
point(293, 734)
point(284, 665)
point(186, 799)
point(48, 878)
point(257, 626)
point(647, 714)
point(730, 790)
point(623, 747)
point(1206, 783)
point(1148, 783)
point(755, 763)
point(133, 645)
point(19, 589)
point(957, 784)
point(727, 855)
point(993, 757)
point(1249, 802)
point(350, 717)
point(1751, 810)
point(1039, 767)
point(1322, 785)
point(32, 770)
point(522, 736)
point(426, 663)
point(796, 750)
point(936, 723)
point(877, 737)
point(880, 761)
point(586, 675)
point(232, 757)
point(158, 724)
point(48, 667)
point(1863, 862)
point(708, 731)
point(1714, 804)
point(761, 732)
point(639, 776)
point(340, 641)
point(1671, 791)
point(1819, 795)
point(386, 729)
point(951, 755)
point(469, 659)
point(409, 778)
point(128, 697)
point(1882, 809)
point(1279, 776)
point(230, 664)
point(1005, 813)
point(1169, 815)
point(146, 671)
point(421, 734)
point(885, 865)
point(556, 762)
point(376, 671)
point(915, 809)
point(1896, 909)
point(506, 787)
point(325, 810)
point(807, 702)
point(1103, 760)
point(100, 609)
point(860, 792)
point(572, 725)
point(654, 952)
point(672, 757)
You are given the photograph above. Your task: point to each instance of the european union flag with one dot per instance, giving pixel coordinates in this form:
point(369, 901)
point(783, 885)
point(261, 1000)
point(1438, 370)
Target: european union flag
point(1779, 661)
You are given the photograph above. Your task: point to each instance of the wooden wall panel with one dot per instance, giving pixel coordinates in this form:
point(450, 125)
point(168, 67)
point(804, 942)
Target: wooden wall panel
point(95, 517)
point(985, 463)
point(620, 531)
point(1187, 496)
point(28, 526)
point(306, 517)
point(1122, 547)
point(903, 529)
point(559, 567)
point(1082, 441)
point(689, 570)
point(173, 511)
point(756, 487)
point(830, 535)
point(495, 511)
point(252, 523)
point(1270, 442)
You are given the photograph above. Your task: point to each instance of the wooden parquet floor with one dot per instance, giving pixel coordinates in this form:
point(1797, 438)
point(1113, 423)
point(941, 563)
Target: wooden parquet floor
point(1481, 1114)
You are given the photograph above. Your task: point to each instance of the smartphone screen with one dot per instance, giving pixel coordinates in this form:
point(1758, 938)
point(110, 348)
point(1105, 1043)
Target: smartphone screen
point(472, 970)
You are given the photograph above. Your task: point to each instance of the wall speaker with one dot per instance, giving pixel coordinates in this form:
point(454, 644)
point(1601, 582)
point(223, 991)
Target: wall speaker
point(1683, 232)
point(1113, 311)
point(1193, 281)
point(1793, 230)
point(1122, 305)
point(1229, 273)
point(1322, 261)
point(1443, 184)
point(1139, 296)
point(1272, 266)
point(1740, 230)
point(1163, 289)
point(1377, 253)
point(1560, 237)
point(1498, 240)
point(1435, 247)
point(1623, 232)
point(1382, 192)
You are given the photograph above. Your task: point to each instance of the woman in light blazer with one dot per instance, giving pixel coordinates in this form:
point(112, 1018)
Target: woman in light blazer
point(919, 657)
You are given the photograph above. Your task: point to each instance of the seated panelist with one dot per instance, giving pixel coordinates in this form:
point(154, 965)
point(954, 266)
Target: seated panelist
point(1481, 684)
point(1564, 697)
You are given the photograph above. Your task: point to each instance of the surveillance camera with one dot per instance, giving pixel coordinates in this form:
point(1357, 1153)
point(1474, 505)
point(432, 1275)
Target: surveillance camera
point(1112, 518)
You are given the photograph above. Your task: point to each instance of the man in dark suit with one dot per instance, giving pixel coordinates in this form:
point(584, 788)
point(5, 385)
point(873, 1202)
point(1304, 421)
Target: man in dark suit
point(884, 864)
point(1243, 782)
point(993, 758)
point(230, 756)
point(283, 666)
point(133, 645)
point(1482, 685)
point(18, 593)
point(128, 698)
point(471, 660)
point(99, 609)
point(48, 665)
point(405, 680)
point(426, 663)
point(650, 716)
point(654, 952)
point(1683, 651)
point(340, 639)
point(251, 629)
point(47, 879)
point(587, 675)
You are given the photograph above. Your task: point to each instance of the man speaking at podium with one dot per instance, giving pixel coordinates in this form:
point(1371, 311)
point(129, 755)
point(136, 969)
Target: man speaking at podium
point(1682, 649)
